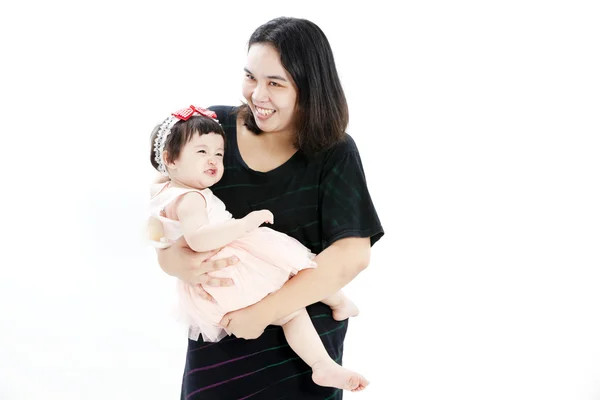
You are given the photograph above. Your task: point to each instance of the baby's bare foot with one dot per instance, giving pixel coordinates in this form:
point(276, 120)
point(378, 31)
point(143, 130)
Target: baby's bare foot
point(328, 373)
point(345, 310)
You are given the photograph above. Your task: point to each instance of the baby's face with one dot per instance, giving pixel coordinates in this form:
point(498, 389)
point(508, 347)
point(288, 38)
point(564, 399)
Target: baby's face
point(200, 163)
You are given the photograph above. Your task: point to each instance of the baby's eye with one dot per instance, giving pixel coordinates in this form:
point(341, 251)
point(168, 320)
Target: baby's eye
point(220, 154)
point(202, 151)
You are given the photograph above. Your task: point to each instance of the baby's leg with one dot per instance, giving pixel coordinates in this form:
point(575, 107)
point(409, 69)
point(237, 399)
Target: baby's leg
point(304, 340)
point(343, 308)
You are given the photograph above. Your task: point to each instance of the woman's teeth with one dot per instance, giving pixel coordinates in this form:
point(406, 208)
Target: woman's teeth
point(264, 111)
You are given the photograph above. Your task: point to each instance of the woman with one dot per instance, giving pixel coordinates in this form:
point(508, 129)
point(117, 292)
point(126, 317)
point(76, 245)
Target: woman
point(286, 152)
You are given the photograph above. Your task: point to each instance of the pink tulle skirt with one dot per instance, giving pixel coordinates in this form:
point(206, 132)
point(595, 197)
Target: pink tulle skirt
point(267, 259)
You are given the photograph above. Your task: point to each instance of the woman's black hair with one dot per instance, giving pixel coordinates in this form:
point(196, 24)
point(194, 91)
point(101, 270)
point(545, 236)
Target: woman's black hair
point(321, 109)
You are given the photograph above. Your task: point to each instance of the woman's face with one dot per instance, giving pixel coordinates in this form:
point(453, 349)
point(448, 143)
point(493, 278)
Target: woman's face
point(269, 90)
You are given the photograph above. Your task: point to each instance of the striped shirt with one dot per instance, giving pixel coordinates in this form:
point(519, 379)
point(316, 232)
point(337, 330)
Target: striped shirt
point(316, 200)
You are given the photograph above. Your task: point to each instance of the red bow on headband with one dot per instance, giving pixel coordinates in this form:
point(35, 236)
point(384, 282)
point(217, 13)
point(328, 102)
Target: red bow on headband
point(185, 113)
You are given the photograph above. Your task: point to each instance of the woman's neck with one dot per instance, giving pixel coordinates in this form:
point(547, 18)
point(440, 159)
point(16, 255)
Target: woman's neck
point(277, 141)
point(265, 151)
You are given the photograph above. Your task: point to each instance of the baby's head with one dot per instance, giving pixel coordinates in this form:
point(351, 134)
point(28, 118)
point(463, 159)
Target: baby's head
point(189, 147)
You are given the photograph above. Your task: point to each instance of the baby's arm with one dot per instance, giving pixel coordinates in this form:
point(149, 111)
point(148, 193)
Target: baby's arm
point(191, 212)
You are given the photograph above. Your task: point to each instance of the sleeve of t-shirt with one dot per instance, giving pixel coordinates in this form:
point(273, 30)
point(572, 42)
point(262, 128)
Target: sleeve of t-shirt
point(346, 206)
point(224, 113)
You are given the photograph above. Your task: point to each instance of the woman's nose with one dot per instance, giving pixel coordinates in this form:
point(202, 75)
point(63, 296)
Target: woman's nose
point(260, 94)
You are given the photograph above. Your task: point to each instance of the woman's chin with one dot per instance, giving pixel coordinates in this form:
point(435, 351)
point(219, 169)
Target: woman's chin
point(264, 126)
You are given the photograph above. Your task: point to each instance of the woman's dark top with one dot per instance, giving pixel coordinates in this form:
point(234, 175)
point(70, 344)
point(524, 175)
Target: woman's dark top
point(316, 200)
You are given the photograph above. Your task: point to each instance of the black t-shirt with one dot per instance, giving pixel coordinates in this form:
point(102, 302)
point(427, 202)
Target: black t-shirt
point(316, 200)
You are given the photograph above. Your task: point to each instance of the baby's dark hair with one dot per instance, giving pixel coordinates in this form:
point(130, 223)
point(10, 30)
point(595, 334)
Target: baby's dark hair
point(181, 133)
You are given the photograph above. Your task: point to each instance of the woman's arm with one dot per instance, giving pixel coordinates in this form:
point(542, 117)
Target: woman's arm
point(337, 265)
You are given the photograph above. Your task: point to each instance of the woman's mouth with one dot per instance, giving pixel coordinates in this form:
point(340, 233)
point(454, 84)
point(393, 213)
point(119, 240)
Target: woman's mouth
point(263, 113)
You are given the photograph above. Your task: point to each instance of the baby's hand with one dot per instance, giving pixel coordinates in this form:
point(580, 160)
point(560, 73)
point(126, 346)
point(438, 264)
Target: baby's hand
point(256, 218)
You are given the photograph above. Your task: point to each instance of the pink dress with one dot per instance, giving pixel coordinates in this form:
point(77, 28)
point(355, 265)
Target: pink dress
point(267, 259)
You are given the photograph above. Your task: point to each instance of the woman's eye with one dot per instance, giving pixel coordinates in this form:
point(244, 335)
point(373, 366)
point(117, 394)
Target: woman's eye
point(249, 76)
point(274, 84)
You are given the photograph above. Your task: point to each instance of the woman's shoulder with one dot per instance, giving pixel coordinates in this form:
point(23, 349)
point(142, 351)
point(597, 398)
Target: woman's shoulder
point(225, 114)
point(340, 150)
point(346, 145)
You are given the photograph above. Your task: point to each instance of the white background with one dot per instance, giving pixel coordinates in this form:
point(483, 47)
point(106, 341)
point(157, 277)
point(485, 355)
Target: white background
point(478, 126)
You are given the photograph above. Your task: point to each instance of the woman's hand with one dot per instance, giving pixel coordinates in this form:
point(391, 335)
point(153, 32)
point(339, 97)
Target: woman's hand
point(194, 268)
point(246, 323)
